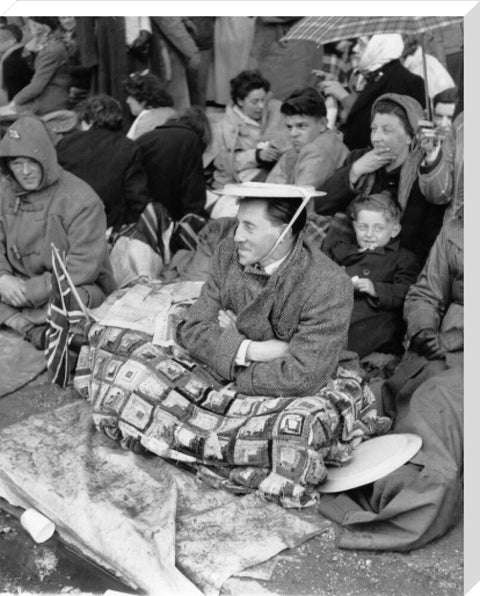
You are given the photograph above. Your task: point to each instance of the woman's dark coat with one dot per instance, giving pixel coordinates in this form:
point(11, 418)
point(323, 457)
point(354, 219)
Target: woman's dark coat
point(111, 165)
point(390, 78)
point(172, 158)
point(421, 220)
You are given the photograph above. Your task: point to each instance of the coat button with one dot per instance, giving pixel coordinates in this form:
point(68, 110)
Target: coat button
point(366, 272)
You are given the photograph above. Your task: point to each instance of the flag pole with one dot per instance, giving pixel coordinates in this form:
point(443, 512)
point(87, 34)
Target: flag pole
point(70, 283)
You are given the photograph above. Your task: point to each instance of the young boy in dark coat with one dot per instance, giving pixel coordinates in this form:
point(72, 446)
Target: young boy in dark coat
point(381, 272)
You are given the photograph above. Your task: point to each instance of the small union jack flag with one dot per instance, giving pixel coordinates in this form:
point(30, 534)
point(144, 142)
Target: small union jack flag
point(65, 312)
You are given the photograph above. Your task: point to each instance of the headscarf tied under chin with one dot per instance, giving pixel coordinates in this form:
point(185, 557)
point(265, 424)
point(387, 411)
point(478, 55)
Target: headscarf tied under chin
point(380, 50)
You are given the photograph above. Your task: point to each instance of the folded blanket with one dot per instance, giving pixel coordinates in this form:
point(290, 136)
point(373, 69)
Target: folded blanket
point(158, 399)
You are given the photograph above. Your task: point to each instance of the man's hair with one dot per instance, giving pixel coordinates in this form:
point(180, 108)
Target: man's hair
point(446, 96)
point(11, 32)
point(52, 22)
point(148, 88)
point(196, 119)
point(390, 107)
point(379, 202)
point(304, 102)
point(245, 82)
point(101, 111)
point(280, 211)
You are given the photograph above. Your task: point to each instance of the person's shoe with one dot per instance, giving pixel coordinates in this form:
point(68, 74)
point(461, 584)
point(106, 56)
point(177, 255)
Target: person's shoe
point(37, 336)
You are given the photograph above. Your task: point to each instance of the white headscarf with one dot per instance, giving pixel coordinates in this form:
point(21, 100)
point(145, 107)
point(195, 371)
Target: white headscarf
point(380, 50)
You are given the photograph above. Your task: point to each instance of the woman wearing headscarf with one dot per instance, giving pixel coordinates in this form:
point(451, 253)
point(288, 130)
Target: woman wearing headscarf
point(387, 164)
point(383, 71)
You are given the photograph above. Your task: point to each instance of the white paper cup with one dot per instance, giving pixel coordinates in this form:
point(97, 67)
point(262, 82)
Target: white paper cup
point(37, 525)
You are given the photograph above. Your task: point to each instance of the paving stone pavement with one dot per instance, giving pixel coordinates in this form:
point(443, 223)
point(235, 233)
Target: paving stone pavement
point(316, 568)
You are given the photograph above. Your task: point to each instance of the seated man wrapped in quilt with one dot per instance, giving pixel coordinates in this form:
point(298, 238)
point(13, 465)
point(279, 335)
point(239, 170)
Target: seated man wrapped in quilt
point(256, 400)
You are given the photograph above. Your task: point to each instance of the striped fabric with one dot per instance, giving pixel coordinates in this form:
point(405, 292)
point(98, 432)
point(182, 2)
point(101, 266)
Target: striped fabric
point(63, 314)
point(323, 30)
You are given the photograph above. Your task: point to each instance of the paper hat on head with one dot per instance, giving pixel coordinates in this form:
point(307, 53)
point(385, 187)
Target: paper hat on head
point(268, 190)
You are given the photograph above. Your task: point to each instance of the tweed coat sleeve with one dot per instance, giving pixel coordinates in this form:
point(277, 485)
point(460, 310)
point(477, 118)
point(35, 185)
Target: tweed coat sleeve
point(202, 335)
point(314, 349)
point(428, 299)
point(391, 295)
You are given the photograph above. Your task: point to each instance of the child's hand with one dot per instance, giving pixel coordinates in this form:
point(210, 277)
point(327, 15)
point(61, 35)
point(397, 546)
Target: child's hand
point(363, 284)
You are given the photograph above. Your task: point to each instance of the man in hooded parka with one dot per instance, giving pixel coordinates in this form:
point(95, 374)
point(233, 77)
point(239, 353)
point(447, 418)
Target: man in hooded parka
point(40, 204)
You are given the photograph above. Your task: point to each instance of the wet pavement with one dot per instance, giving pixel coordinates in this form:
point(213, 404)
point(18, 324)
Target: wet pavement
point(316, 568)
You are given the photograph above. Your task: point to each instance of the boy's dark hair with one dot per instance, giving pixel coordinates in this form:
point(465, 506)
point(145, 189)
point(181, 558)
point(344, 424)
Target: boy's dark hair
point(245, 82)
point(52, 22)
point(196, 119)
point(387, 106)
point(148, 88)
point(446, 96)
point(380, 202)
point(101, 111)
point(304, 102)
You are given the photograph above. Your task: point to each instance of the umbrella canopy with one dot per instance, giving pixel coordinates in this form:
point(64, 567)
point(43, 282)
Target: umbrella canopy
point(323, 30)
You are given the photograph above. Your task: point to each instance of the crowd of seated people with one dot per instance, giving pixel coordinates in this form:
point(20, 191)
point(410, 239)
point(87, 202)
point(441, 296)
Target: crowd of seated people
point(393, 207)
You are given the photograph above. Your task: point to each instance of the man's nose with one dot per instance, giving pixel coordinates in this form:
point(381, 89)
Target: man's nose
point(26, 168)
point(445, 122)
point(238, 236)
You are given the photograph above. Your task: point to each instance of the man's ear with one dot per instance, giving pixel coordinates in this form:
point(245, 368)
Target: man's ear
point(396, 230)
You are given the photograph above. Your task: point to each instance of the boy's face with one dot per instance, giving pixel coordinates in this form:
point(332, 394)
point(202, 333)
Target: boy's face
point(374, 229)
point(303, 129)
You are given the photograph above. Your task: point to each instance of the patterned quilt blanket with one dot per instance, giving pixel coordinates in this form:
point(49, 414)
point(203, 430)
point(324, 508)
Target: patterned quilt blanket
point(158, 399)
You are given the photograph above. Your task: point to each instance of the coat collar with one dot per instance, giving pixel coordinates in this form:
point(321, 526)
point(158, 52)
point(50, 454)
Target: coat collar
point(344, 250)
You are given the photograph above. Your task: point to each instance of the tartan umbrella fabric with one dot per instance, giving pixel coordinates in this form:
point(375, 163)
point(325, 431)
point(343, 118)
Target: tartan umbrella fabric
point(323, 30)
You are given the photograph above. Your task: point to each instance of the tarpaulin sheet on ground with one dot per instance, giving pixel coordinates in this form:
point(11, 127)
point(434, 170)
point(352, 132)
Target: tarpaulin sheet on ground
point(20, 362)
point(156, 526)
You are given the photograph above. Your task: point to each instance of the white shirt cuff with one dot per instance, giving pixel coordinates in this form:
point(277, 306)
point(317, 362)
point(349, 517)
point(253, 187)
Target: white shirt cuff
point(240, 358)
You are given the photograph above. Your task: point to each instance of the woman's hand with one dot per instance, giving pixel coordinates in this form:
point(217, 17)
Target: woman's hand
point(429, 144)
point(371, 162)
point(267, 351)
point(13, 291)
point(333, 88)
point(227, 319)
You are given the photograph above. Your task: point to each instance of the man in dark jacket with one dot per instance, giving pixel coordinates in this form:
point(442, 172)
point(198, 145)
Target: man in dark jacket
point(274, 313)
point(172, 158)
point(110, 163)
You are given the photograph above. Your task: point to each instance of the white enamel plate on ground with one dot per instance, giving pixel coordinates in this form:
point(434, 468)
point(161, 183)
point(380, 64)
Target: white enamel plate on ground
point(373, 459)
